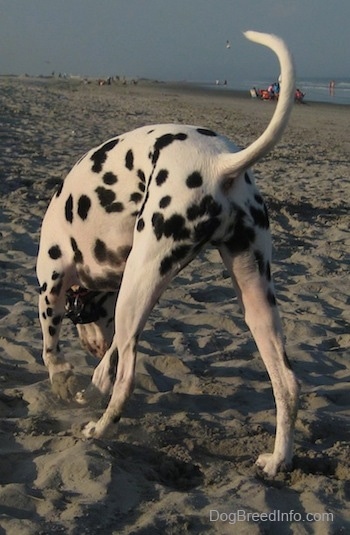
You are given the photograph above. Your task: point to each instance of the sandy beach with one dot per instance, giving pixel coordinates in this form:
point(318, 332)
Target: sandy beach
point(182, 460)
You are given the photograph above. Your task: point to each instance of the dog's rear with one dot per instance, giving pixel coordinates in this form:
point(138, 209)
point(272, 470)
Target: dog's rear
point(133, 213)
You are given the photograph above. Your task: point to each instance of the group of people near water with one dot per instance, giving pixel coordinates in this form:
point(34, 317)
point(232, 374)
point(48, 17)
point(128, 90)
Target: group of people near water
point(273, 91)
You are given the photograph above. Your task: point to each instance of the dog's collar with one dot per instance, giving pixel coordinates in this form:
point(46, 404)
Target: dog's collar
point(80, 306)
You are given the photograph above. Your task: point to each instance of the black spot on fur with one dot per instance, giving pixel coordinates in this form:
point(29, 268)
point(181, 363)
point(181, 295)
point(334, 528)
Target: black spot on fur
point(177, 254)
point(161, 177)
point(105, 196)
point(109, 281)
point(140, 225)
point(56, 290)
point(114, 207)
point(55, 252)
point(205, 229)
point(109, 178)
point(207, 206)
point(115, 258)
point(69, 209)
point(141, 186)
point(74, 244)
point(167, 139)
point(242, 235)
point(260, 217)
point(59, 191)
point(263, 265)
point(158, 225)
point(55, 276)
point(100, 156)
point(43, 288)
point(100, 251)
point(164, 201)
point(56, 320)
point(49, 312)
point(78, 256)
point(173, 227)
point(136, 197)
point(258, 198)
point(206, 132)
point(52, 330)
point(129, 160)
point(112, 372)
point(195, 180)
point(247, 178)
point(163, 142)
point(141, 176)
point(84, 205)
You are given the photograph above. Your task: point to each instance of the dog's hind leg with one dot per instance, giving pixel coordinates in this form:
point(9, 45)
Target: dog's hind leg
point(250, 272)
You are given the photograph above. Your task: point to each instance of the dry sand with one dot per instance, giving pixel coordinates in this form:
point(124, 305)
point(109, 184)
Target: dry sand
point(203, 408)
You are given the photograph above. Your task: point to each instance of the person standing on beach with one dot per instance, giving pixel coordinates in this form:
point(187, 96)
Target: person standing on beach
point(331, 87)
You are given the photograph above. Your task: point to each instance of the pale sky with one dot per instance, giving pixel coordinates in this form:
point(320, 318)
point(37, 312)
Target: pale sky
point(172, 39)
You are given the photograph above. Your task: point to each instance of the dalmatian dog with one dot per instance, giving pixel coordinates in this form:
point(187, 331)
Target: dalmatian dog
point(130, 215)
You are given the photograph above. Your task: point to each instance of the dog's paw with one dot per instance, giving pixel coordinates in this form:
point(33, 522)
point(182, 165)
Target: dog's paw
point(89, 430)
point(91, 396)
point(65, 385)
point(268, 463)
point(105, 427)
point(81, 398)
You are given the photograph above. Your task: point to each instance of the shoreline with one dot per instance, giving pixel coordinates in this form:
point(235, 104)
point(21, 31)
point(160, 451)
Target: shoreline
point(238, 93)
point(183, 86)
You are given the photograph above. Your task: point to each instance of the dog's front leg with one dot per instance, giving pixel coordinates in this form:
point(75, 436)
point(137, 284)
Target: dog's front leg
point(143, 282)
point(133, 306)
point(53, 285)
point(103, 378)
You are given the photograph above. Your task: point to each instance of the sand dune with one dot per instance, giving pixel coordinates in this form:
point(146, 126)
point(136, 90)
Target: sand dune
point(203, 409)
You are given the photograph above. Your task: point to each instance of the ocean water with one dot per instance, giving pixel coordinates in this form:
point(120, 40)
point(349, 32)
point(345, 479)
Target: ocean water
point(315, 89)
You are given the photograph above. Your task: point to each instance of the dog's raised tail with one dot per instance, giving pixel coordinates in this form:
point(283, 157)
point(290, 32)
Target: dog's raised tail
point(233, 165)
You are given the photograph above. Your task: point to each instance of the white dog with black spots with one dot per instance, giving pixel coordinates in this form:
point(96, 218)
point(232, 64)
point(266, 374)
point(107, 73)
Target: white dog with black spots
point(128, 217)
